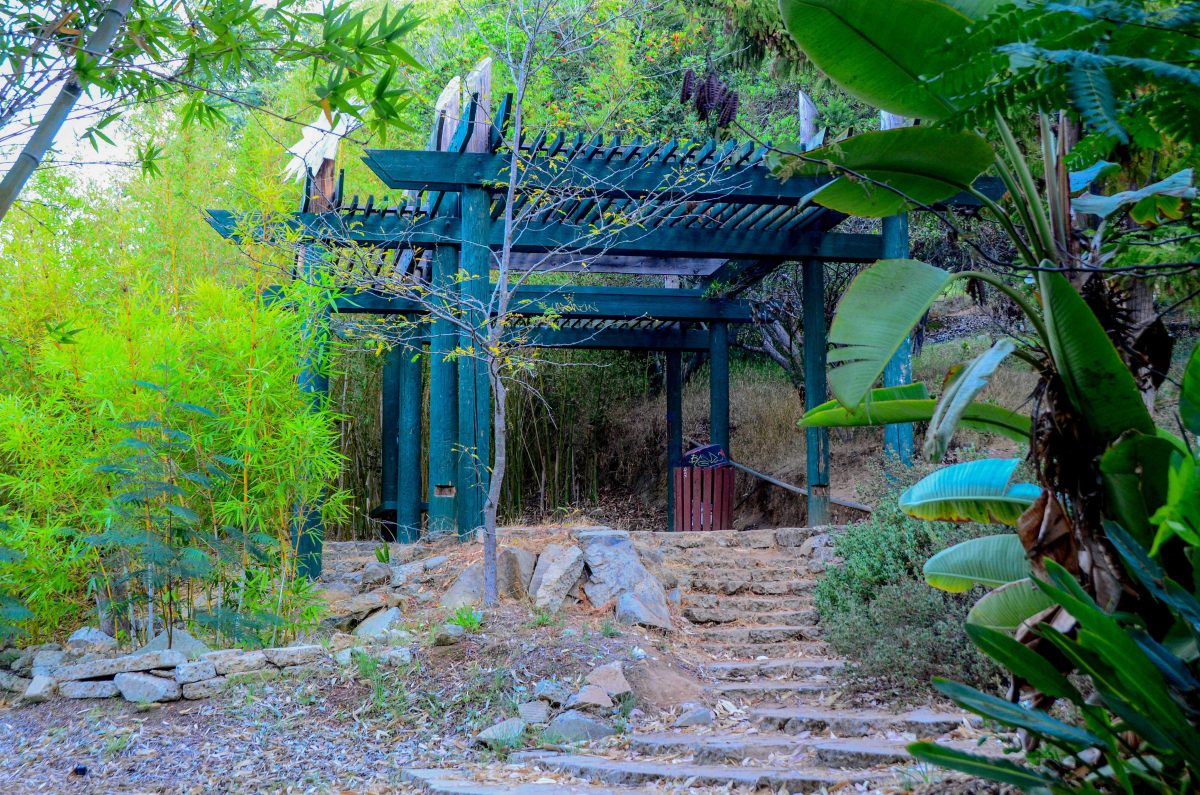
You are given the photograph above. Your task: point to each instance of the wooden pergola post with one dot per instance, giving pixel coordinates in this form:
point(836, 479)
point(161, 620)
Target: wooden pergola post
point(475, 262)
point(718, 384)
point(816, 440)
point(389, 427)
point(674, 429)
point(408, 443)
point(443, 372)
point(898, 437)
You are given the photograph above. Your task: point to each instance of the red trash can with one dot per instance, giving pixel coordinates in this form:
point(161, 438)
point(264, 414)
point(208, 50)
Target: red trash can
point(704, 494)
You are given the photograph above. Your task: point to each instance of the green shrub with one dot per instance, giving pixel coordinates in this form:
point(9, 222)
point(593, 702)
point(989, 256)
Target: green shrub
point(878, 612)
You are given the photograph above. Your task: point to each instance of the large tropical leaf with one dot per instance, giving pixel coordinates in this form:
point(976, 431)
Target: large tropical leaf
point(1098, 383)
point(1189, 393)
point(1010, 714)
point(1023, 662)
point(976, 491)
point(887, 405)
point(992, 561)
point(1135, 472)
point(959, 395)
point(987, 767)
point(1006, 607)
point(922, 165)
point(881, 53)
point(877, 313)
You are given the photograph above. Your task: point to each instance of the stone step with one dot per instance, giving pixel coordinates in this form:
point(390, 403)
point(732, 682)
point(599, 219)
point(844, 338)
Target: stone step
point(752, 539)
point(458, 782)
point(722, 749)
point(785, 690)
point(704, 615)
point(774, 633)
point(859, 723)
point(701, 577)
point(732, 652)
point(722, 584)
point(771, 668)
point(634, 772)
point(765, 604)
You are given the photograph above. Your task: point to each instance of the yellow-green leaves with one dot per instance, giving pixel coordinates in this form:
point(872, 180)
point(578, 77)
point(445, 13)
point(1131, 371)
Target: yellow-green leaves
point(976, 491)
point(992, 561)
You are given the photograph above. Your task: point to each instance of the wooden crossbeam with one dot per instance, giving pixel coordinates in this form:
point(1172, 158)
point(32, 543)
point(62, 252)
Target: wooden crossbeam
point(581, 302)
point(594, 177)
point(391, 231)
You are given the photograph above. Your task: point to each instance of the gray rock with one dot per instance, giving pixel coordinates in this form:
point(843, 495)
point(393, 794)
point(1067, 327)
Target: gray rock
point(375, 573)
point(253, 677)
point(466, 590)
point(294, 655)
point(525, 563)
point(46, 662)
point(398, 637)
point(675, 596)
point(206, 688)
point(146, 689)
point(610, 678)
point(448, 635)
point(558, 569)
point(505, 734)
point(435, 562)
point(377, 624)
point(395, 657)
point(40, 689)
point(145, 661)
point(590, 696)
point(181, 641)
point(575, 727)
point(236, 661)
point(790, 536)
point(13, 683)
point(695, 715)
point(631, 609)
point(195, 672)
point(103, 688)
point(401, 575)
point(552, 692)
point(534, 711)
point(616, 570)
point(91, 639)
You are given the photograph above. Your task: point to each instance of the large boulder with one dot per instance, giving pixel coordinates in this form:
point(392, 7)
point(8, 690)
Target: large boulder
point(146, 688)
point(91, 639)
point(378, 624)
point(658, 684)
point(558, 569)
point(576, 727)
point(181, 641)
point(615, 570)
point(466, 590)
point(95, 669)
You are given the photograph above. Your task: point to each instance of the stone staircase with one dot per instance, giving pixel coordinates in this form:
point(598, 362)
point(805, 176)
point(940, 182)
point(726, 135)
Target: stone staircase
point(781, 725)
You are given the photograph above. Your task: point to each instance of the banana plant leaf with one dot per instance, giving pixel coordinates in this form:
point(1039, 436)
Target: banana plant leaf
point(1023, 662)
point(1006, 607)
point(1189, 394)
point(993, 561)
point(1180, 185)
point(885, 406)
point(960, 394)
point(920, 165)
point(1135, 472)
point(1098, 383)
point(882, 53)
point(877, 313)
point(979, 766)
point(1010, 714)
point(976, 491)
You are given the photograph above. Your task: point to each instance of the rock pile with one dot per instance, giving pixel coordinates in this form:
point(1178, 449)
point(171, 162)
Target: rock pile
point(578, 715)
point(603, 566)
point(87, 668)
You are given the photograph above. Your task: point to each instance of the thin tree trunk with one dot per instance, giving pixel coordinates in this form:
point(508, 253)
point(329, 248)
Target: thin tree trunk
point(47, 129)
point(491, 508)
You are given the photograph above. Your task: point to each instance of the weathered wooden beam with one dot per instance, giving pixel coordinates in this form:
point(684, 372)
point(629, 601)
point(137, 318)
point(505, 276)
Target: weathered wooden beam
point(609, 263)
point(618, 339)
point(389, 431)
point(408, 447)
point(590, 177)
point(718, 385)
point(390, 231)
point(582, 302)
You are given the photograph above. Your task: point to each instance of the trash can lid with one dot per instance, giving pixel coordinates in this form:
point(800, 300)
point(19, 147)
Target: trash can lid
point(710, 455)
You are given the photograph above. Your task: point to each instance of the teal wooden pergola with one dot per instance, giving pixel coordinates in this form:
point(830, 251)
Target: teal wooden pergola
point(709, 211)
